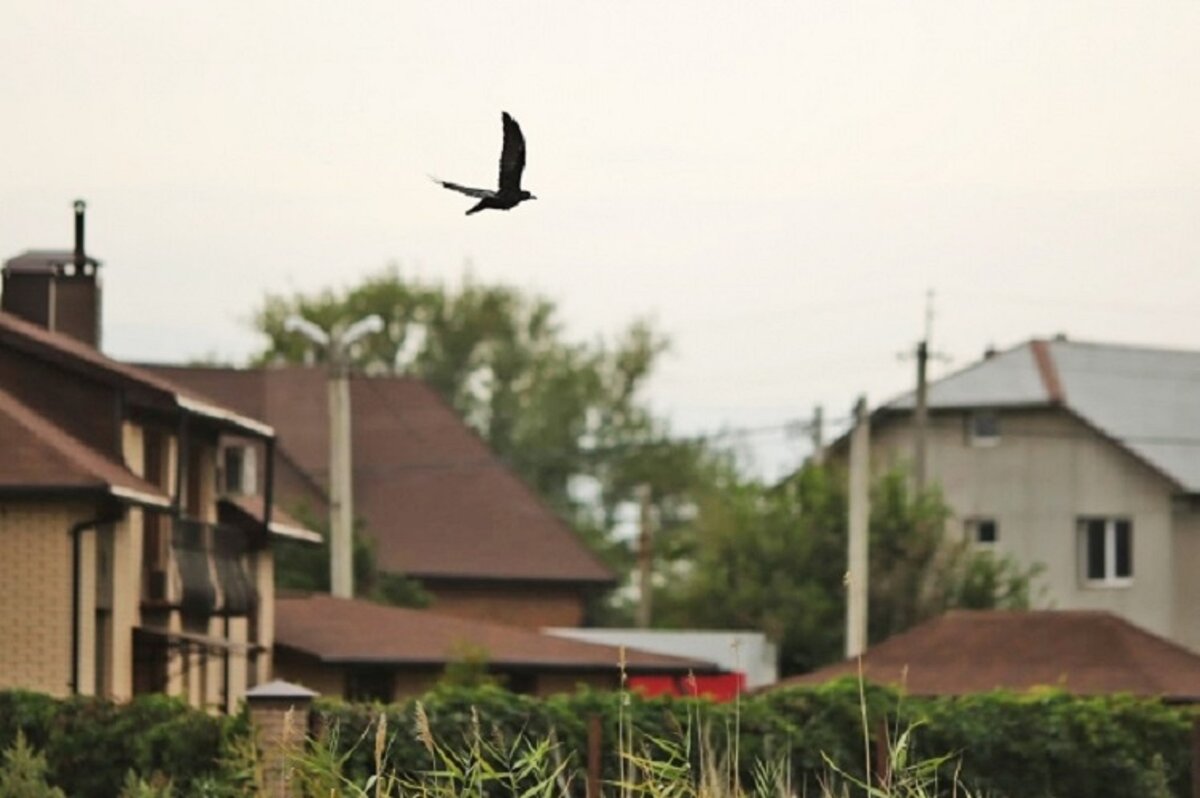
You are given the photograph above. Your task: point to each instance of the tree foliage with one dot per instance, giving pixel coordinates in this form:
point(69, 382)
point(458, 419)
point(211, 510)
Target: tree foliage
point(773, 558)
point(548, 406)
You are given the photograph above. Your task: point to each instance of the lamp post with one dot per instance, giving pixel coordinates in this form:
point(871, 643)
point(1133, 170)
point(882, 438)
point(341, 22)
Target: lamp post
point(337, 342)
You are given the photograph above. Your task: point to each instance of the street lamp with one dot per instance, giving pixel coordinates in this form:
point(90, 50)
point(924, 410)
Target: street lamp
point(337, 342)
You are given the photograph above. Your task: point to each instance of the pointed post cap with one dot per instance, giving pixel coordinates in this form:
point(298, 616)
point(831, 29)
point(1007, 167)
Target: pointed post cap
point(280, 690)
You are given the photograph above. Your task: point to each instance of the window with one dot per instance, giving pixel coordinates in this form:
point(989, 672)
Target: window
point(1106, 551)
point(981, 531)
point(239, 472)
point(983, 428)
point(370, 683)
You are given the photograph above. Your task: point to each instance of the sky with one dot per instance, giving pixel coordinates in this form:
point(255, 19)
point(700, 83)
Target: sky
point(777, 185)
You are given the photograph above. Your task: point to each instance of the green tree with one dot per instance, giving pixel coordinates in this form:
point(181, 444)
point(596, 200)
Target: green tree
point(553, 409)
point(774, 557)
point(23, 772)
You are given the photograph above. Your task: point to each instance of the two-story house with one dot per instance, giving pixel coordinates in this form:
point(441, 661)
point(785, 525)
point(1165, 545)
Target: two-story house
point(125, 570)
point(1082, 457)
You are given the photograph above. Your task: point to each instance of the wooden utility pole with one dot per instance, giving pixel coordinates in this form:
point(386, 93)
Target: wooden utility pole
point(921, 402)
point(921, 419)
point(818, 436)
point(860, 513)
point(645, 556)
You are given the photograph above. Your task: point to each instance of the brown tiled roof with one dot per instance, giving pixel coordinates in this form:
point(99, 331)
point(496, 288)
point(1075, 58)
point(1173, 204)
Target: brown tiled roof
point(345, 630)
point(282, 523)
point(435, 499)
point(38, 455)
point(79, 356)
point(1084, 652)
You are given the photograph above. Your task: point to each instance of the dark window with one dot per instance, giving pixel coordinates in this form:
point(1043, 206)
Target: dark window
point(369, 684)
point(238, 475)
point(981, 531)
point(234, 473)
point(521, 682)
point(1106, 551)
point(1124, 550)
point(983, 427)
point(1095, 549)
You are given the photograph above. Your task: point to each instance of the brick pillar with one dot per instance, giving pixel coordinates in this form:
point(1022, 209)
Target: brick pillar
point(279, 713)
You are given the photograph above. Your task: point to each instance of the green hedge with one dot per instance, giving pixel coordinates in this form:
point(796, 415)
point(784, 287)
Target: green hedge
point(90, 744)
point(1033, 745)
point(1021, 746)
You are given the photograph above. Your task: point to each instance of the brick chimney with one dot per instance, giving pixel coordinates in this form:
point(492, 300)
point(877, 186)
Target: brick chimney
point(56, 289)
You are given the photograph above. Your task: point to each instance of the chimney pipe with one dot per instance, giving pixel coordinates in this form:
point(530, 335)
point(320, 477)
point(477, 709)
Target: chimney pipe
point(80, 258)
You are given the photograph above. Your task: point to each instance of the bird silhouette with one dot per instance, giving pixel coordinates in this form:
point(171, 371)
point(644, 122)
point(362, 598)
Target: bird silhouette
point(512, 163)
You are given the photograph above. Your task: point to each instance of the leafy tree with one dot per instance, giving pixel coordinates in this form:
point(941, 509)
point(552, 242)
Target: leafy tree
point(553, 409)
point(773, 558)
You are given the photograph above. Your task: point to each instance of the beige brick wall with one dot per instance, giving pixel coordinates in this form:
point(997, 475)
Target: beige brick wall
point(35, 605)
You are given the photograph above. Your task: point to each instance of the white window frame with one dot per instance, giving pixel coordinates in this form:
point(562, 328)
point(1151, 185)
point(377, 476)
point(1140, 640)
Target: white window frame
point(1110, 578)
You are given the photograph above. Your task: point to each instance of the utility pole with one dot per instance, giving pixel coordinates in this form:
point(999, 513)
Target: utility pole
point(645, 556)
point(860, 512)
point(818, 436)
point(921, 419)
point(921, 401)
point(337, 343)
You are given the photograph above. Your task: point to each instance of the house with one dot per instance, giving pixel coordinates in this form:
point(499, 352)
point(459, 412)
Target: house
point(125, 570)
point(438, 504)
point(366, 651)
point(1085, 652)
point(1081, 457)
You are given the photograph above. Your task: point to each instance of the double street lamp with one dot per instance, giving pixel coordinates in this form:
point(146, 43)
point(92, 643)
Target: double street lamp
point(337, 342)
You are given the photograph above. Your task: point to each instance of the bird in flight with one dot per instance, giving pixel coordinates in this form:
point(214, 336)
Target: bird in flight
point(512, 163)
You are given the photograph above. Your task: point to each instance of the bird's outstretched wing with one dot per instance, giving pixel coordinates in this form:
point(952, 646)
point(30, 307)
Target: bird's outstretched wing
point(470, 192)
point(512, 156)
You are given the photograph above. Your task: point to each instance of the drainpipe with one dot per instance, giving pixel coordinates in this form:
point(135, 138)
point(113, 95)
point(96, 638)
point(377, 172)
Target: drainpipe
point(76, 577)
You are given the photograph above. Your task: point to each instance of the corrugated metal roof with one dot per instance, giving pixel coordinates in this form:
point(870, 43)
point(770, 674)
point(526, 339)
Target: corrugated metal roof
point(1006, 378)
point(1146, 399)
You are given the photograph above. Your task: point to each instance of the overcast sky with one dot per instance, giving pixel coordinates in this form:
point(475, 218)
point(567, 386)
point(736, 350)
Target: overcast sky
point(776, 184)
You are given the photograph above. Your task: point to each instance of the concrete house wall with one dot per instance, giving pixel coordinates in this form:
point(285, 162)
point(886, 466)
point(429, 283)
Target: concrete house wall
point(1046, 471)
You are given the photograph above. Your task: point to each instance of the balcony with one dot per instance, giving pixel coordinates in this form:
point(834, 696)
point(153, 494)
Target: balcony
point(210, 562)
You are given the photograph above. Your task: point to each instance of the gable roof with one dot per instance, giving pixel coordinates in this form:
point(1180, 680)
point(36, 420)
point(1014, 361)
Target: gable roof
point(1145, 399)
point(40, 456)
point(437, 502)
point(82, 358)
point(1082, 651)
point(338, 630)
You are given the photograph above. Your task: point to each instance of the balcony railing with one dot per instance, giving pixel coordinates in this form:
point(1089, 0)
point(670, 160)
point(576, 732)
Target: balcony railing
point(208, 557)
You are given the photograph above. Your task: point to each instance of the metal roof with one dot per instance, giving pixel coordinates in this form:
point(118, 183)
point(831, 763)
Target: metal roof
point(1146, 399)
